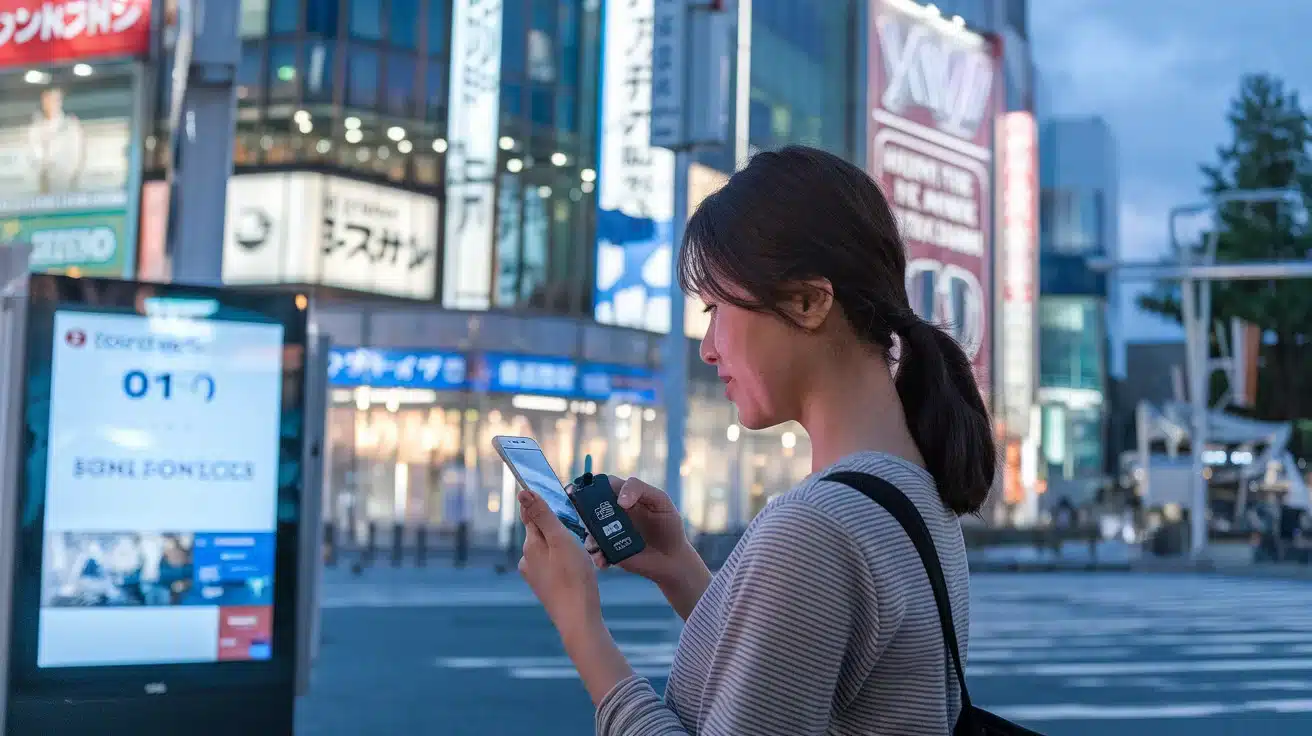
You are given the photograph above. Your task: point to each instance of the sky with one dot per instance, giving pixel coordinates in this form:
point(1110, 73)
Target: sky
point(1162, 73)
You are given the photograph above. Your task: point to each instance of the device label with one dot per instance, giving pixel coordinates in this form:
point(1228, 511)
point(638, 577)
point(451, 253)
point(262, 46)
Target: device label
point(605, 511)
point(612, 529)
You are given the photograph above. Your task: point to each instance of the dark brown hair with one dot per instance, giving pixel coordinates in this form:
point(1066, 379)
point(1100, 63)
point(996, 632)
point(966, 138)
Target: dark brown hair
point(799, 214)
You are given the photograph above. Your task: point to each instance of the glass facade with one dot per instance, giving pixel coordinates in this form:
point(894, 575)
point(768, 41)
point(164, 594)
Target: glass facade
point(1072, 333)
point(803, 57)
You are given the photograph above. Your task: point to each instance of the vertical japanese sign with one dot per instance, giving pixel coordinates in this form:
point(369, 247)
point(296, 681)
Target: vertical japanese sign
point(635, 202)
point(68, 167)
point(1018, 158)
point(471, 161)
point(932, 101)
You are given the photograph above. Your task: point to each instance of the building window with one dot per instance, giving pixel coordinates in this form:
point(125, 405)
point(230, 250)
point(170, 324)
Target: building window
point(1071, 335)
point(254, 21)
point(435, 94)
point(322, 17)
point(402, 25)
point(282, 71)
point(250, 74)
point(438, 34)
point(400, 84)
point(366, 19)
point(362, 78)
point(1071, 221)
point(285, 16)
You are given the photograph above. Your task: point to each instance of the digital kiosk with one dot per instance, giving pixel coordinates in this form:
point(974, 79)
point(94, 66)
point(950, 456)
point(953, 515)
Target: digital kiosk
point(155, 505)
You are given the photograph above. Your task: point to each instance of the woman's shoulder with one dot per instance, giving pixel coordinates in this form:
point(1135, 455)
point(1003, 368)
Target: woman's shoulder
point(860, 519)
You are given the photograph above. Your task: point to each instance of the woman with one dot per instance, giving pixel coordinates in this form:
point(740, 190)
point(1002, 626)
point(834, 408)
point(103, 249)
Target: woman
point(822, 620)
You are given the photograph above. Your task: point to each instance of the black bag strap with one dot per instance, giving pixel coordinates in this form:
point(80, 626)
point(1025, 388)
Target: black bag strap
point(904, 511)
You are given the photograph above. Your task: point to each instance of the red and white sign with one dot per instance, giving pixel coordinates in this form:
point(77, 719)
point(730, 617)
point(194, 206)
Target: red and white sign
point(36, 32)
point(930, 127)
point(1018, 151)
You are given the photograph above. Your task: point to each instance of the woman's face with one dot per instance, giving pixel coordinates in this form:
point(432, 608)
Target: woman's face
point(760, 358)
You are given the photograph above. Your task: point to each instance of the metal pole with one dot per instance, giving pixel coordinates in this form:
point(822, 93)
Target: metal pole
point(675, 364)
point(203, 119)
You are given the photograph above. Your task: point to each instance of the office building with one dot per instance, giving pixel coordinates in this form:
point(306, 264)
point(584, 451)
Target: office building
point(1078, 219)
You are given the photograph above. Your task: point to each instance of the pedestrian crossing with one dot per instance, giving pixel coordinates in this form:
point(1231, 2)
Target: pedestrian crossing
point(1084, 647)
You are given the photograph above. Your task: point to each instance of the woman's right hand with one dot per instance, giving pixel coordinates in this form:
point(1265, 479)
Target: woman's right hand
point(668, 559)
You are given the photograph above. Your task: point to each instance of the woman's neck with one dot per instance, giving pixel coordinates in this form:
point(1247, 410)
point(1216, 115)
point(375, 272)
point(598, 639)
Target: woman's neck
point(855, 408)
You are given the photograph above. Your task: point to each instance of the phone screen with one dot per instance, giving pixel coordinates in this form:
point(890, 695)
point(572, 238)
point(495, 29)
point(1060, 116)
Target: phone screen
point(537, 474)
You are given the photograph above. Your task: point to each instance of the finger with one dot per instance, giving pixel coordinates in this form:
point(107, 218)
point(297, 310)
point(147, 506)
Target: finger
point(599, 560)
point(536, 513)
point(527, 501)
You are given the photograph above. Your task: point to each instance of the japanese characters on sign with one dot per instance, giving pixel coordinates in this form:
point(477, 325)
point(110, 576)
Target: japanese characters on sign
point(387, 368)
point(635, 204)
point(303, 227)
point(471, 159)
point(350, 367)
point(36, 32)
point(932, 104)
point(1018, 156)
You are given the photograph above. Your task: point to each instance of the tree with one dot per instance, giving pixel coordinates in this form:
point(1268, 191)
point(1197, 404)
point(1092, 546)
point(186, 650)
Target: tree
point(1270, 147)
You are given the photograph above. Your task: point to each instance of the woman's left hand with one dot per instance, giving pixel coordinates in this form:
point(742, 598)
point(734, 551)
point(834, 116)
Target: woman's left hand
point(557, 568)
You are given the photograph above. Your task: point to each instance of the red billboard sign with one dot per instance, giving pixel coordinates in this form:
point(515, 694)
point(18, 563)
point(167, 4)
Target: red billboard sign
point(932, 104)
point(38, 32)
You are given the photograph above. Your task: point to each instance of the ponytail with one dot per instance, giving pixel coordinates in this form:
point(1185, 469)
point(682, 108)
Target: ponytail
point(946, 414)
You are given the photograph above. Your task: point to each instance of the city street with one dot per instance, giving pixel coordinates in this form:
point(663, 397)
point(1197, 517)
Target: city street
point(444, 652)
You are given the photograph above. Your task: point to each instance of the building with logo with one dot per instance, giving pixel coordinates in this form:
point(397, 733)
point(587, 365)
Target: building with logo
point(1078, 219)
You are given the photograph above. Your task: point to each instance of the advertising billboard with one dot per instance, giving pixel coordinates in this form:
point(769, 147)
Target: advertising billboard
point(471, 159)
point(635, 203)
point(161, 476)
point(1019, 242)
point(302, 227)
point(34, 33)
point(67, 168)
point(932, 101)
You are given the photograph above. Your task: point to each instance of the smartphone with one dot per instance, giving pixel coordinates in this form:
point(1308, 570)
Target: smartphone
point(530, 467)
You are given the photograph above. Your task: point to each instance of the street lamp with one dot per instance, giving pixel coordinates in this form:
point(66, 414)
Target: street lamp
point(1197, 317)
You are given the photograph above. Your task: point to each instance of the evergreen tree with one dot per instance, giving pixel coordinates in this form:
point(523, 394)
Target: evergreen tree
point(1270, 147)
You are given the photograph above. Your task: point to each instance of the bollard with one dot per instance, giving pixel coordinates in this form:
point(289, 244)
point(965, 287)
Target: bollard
point(371, 539)
point(462, 544)
point(421, 545)
point(398, 542)
point(329, 545)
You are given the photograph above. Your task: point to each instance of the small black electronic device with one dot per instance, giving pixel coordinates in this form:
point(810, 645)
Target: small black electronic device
point(607, 522)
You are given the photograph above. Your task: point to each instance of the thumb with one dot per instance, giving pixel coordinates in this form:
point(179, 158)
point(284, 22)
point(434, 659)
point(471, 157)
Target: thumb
point(637, 493)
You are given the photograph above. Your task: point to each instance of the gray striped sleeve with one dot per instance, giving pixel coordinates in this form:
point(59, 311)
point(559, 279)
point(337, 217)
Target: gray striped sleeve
point(800, 592)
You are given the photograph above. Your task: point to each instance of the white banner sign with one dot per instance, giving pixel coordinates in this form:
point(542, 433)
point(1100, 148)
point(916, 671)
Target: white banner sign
point(1019, 182)
point(635, 204)
point(471, 159)
point(307, 228)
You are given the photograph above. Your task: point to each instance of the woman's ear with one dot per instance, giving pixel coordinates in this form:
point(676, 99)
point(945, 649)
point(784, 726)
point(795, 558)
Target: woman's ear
point(811, 303)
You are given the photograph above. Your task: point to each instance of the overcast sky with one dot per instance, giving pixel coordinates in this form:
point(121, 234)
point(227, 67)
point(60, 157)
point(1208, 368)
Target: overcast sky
point(1162, 73)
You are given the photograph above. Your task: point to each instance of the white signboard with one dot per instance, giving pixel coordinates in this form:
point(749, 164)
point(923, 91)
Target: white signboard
point(308, 228)
point(635, 204)
point(471, 159)
point(1019, 236)
point(161, 491)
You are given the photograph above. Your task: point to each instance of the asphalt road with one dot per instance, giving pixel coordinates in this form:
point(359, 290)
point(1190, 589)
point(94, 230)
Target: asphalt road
point(1064, 653)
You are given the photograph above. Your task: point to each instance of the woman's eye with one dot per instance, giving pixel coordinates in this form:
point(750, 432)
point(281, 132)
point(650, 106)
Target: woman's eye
point(708, 308)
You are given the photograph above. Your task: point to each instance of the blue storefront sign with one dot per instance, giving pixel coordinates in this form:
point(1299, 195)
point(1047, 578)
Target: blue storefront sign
point(502, 373)
point(391, 368)
point(601, 382)
point(523, 374)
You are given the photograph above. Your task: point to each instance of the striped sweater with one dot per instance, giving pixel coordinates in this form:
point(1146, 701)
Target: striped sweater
point(822, 621)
